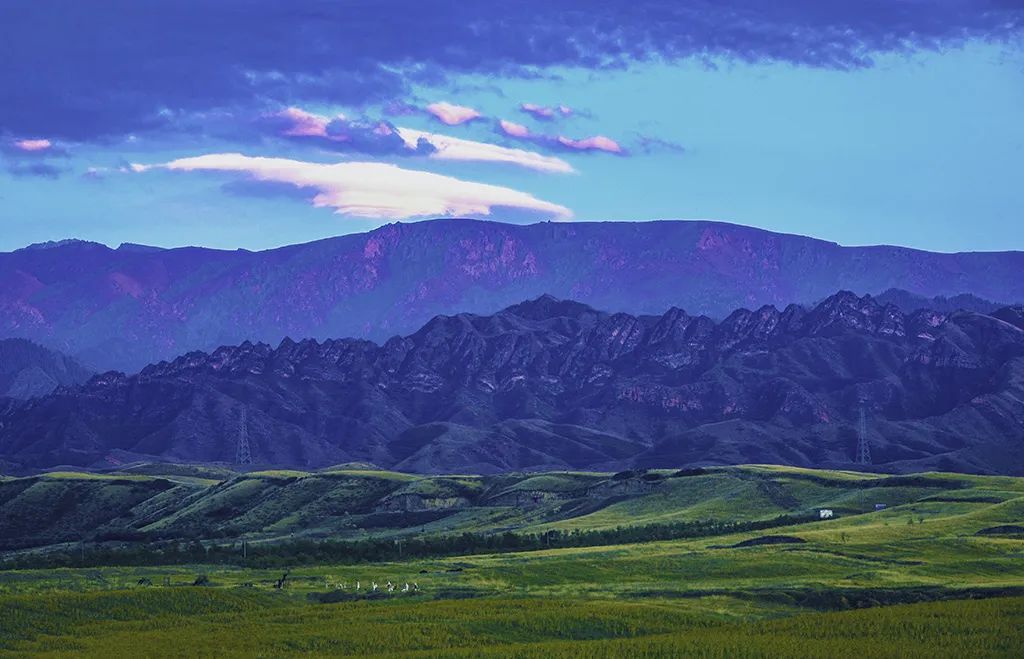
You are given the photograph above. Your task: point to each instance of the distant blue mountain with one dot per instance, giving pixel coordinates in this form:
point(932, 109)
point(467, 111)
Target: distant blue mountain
point(124, 308)
point(28, 370)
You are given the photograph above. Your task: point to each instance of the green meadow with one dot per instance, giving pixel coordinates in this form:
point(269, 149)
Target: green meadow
point(939, 572)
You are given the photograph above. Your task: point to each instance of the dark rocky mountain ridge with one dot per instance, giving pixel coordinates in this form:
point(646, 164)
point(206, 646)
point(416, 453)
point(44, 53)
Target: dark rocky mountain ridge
point(553, 384)
point(127, 307)
point(908, 302)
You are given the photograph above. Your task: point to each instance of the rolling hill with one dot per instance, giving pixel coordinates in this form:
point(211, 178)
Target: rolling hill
point(165, 502)
point(937, 573)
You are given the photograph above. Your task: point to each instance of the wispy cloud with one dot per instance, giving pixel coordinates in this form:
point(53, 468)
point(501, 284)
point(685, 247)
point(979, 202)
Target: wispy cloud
point(383, 138)
point(371, 189)
point(512, 129)
point(595, 143)
point(451, 114)
point(35, 170)
point(654, 144)
point(93, 173)
point(303, 123)
point(453, 148)
point(546, 112)
point(33, 158)
point(33, 146)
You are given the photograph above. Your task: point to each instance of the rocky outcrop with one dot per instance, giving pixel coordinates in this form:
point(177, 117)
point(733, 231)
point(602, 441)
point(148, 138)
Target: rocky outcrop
point(555, 384)
point(417, 502)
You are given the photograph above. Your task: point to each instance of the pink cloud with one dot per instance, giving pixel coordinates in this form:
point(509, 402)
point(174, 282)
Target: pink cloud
point(451, 114)
point(545, 112)
point(372, 189)
point(513, 129)
point(33, 145)
point(538, 111)
point(595, 143)
point(305, 124)
point(453, 148)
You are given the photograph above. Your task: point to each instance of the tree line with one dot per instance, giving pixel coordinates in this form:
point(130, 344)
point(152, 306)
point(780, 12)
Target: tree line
point(371, 550)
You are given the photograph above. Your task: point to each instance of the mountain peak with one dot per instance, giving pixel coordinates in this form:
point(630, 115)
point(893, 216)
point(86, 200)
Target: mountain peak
point(548, 306)
point(848, 310)
point(66, 242)
point(136, 247)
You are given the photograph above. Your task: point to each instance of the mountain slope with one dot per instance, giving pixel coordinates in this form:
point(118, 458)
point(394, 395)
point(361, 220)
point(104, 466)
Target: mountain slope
point(28, 370)
point(123, 308)
point(554, 384)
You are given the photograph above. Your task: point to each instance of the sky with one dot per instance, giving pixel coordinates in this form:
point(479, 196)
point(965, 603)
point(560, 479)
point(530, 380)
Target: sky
point(262, 123)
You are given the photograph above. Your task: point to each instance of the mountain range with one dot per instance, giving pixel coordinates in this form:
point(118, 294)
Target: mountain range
point(127, 307)
point(555, 384)
point(28, 370)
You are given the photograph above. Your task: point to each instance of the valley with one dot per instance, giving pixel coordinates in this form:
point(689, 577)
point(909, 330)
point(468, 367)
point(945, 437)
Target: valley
point(942, 558)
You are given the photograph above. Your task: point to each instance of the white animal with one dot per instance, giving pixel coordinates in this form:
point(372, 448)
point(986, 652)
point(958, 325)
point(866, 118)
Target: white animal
point(374, 586)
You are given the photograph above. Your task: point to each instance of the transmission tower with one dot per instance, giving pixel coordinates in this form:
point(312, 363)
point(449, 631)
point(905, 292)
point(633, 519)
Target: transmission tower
point(243, 454)
point(863, 448)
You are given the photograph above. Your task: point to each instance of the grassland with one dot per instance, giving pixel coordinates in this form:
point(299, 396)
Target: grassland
point(205, 623)
point(180, 502)
point(924, 577)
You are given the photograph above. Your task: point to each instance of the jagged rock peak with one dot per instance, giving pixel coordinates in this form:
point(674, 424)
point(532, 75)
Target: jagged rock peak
point(505, 391)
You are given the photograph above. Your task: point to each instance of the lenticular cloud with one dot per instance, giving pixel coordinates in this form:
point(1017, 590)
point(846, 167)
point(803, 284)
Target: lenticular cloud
point(372, 190)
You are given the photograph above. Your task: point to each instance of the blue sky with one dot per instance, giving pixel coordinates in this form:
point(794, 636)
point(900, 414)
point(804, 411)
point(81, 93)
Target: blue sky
point(248, 125)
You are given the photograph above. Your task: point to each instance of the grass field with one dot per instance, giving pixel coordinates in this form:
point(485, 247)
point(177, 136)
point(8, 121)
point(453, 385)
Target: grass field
point(155, 502)
point(914, 580)
point(209, 622)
